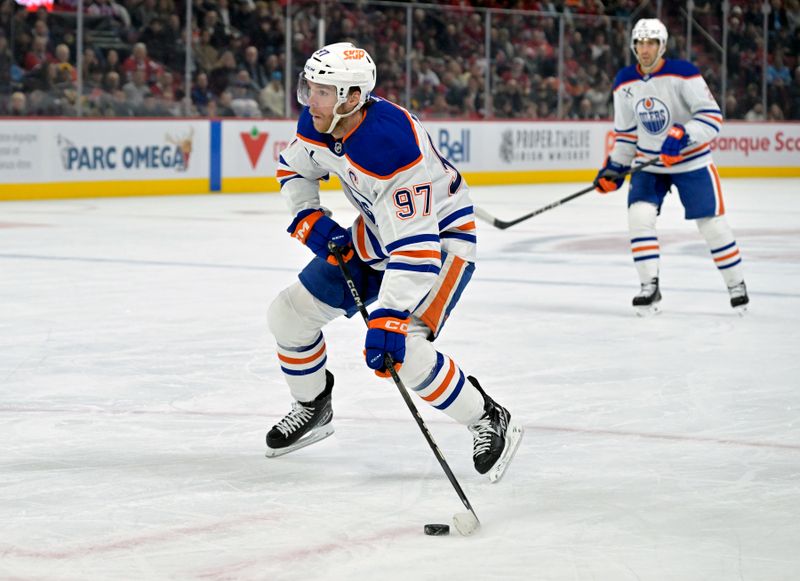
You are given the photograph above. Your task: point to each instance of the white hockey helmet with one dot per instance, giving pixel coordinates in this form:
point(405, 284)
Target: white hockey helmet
point(343, 66)
point(650, 28)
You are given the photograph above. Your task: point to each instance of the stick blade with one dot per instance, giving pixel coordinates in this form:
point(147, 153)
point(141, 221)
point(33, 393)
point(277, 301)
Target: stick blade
point(466, 523)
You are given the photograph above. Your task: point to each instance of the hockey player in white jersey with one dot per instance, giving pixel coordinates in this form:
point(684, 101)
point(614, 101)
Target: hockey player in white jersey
point(664, 109)
point(411, 251)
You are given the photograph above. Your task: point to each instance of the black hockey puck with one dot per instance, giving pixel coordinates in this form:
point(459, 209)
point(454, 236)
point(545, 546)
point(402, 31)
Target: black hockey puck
point(437, 530)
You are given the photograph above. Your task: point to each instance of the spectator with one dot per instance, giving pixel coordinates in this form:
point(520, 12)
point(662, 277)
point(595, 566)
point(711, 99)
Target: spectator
point(119, 105)
point(139, 61)
point(756, 113)
point(158, 40)
point(143, 14)
point(243, 100)
point(6, 64)
point(223, 74)
point(201, 95)
point(212, 23)
point(38, 55)
point(17, 105)
point(222, 106)
point(151, 107)
point(778, 70)
point(63, 64)
point(164, 84)
point(273, 97)
point(112, 62)
point(775, 113)
point(439, 109)
point(110, 9)
point(252, 64)
point(794, 95)
point(205, 55)
point(136, 88)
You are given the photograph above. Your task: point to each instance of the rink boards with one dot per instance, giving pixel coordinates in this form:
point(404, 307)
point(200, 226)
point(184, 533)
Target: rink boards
point(60, 158)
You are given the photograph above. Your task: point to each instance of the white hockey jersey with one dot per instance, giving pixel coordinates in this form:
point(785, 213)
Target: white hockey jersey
point(647, 105)
point(413, 203)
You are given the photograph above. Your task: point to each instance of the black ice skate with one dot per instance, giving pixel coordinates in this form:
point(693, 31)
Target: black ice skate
point(739, 298)
point(495, 437)
point(308, 422)
point(648, 299)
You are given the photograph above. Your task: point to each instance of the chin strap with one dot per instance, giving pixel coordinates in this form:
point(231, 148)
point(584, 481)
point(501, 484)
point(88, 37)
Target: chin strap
point(338, 116)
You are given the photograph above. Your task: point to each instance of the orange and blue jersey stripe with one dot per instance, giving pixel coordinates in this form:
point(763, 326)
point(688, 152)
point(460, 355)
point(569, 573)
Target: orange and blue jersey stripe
point(627, 135)
point(401, 259)
point(710, 117)
point(459, 224)
point(454, 276)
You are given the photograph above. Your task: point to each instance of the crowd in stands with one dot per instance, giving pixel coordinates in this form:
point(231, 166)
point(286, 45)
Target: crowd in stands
point(134, 60)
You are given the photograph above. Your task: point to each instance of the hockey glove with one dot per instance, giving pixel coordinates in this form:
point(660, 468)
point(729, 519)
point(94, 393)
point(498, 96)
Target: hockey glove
point(676, 140)
point(314, 229)
point(610, 177)
point(386, 335)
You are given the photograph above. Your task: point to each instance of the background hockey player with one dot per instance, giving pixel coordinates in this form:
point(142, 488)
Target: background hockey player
point(411, 250)
point(663, 108)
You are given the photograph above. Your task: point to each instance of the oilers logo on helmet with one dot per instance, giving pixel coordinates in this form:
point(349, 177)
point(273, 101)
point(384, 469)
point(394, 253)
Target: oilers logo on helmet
point(654, 115)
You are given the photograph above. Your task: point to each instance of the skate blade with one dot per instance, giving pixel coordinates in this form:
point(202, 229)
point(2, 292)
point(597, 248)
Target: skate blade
point(310, 438)
point(648, 310)
point(513, 439)
point(741, 310)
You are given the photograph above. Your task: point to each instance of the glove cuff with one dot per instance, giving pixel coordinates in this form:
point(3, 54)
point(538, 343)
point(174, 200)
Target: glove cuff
point(389, 320)
point(677, 131)
point(304, 223)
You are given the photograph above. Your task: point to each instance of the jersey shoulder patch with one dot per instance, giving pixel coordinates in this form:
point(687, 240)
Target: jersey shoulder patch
point(678, 68)
point(385, 143)
point(306, 131)
point(626, 75)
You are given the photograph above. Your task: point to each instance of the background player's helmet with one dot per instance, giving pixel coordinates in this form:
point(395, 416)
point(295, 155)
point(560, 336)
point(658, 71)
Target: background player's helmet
point(341, 65)
point(650, 28)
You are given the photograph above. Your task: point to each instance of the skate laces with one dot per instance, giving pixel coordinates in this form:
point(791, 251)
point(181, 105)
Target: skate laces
point(295, 419)
point(482, 432)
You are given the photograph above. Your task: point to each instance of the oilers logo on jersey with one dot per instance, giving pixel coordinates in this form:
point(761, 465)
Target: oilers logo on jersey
point(653, 115)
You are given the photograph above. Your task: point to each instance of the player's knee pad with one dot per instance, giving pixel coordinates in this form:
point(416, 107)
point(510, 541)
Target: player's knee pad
point(715, 229)
point(642, 217)
point(295, 317)
point(419, 361)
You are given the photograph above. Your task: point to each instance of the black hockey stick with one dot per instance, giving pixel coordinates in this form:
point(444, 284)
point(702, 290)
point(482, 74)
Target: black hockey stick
point(502, 224)
point(389, 362)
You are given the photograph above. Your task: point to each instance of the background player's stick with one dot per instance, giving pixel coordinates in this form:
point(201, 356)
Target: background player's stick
point(502, 224)
point(466, 522)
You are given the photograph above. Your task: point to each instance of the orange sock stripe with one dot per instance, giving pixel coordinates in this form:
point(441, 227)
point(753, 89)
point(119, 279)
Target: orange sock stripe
point(727, 256)
point(443, 387)
point(301, 360)
point(643, 248)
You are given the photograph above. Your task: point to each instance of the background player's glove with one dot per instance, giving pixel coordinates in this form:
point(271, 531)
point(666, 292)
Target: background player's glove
point(677, 139)
point(386, 334)
point(610, 177)
point(314, 229)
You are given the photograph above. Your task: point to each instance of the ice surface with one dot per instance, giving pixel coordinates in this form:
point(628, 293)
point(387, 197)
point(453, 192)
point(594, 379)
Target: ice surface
point(138, 379)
